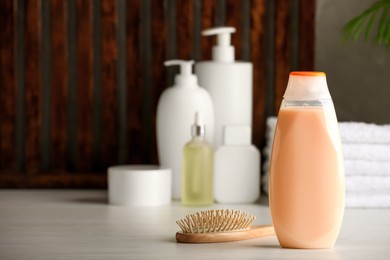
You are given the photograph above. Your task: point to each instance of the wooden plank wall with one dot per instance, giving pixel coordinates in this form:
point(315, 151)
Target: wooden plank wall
point(80, 79)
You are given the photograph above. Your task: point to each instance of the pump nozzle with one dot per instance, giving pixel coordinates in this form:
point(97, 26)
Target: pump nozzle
point(223, 51)
point(186, 76)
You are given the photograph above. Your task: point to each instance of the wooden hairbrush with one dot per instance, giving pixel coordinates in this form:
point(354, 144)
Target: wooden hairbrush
point(213, 226)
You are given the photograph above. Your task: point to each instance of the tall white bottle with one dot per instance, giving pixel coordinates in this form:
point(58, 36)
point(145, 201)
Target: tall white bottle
point(237, 167)
point(229, 83)
point(175, 113)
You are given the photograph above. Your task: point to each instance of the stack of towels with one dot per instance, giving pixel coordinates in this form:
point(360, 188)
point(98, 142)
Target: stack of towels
point(366, 150)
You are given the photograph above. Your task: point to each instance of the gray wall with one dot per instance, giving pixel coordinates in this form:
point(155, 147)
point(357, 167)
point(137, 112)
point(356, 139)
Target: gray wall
point(358, 73)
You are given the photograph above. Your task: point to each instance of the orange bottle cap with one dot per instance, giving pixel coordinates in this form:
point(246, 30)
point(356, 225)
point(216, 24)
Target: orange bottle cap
point(307, 73)
point(307, 85)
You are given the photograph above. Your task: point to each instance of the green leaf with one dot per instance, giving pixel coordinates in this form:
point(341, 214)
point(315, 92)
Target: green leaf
point(349, 28)
point(358, 27)
point(369, 25)
point(365, 22)
point(381, 27)
point(387, 32)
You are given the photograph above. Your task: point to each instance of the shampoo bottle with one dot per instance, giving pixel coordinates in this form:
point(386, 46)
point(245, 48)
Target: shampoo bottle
point(237, 167)
point(197, 167)
point(229, 83)
point(307, 185)
point(175, 112)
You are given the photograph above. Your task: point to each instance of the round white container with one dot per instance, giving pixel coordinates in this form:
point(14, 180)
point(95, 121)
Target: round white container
point(139, 185)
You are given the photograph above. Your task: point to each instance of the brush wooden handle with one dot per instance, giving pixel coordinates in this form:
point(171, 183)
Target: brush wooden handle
point(216, 237)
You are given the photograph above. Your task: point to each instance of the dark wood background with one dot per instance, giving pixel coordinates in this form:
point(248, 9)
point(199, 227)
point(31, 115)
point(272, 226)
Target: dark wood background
point(80, 79)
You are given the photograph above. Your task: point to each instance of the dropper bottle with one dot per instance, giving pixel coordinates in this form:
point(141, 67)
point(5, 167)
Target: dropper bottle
point(197, 181)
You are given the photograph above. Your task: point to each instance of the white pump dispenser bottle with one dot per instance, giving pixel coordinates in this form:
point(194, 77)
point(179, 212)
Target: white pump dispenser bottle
point(229, 83)
point(175, 113)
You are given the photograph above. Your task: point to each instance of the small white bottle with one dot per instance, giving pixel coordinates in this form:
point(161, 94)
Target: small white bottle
point(198, 169)
point(175, 113)
point(229, 83)
point(237, 167)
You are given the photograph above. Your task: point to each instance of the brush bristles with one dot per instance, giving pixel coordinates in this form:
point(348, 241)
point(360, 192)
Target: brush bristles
point(216, 221)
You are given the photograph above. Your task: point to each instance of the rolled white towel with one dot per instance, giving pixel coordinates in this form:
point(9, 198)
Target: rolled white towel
point(377, 166)
point(360, 185)
point(362, 167)
point(361, 191)
point(367, 201)
point(360, 176)
point(354, 132)
point(271, 124)
point(369, 152)
point(269, 134)
point(270, 129)
point(353, 183)
point(358, 151)
point(265, 177)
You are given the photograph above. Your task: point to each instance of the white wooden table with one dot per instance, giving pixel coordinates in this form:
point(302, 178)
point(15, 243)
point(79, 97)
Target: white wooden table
point(78, 224)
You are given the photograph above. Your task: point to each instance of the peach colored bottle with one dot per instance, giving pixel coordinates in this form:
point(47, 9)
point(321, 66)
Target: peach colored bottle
point(307, 186)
